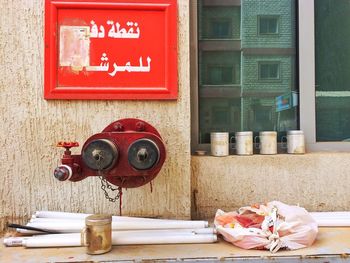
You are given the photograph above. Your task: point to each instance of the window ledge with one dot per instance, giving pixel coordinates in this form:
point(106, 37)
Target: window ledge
point(275, 156)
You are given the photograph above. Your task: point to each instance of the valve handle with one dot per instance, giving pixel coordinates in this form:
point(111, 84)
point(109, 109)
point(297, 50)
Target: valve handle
point(67, 145)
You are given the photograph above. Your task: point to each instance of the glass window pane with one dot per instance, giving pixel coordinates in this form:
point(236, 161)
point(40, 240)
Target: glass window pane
point(269, 71)
point(247, 80)
point(273, 25)
point(219, 67)
point(268, 25)
point(263, 26)
point(332, 38)
point(219, 22)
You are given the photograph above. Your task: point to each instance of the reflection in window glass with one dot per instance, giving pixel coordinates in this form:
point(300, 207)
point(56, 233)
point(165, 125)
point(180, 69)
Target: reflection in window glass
point(269, 71)
point(219, 67)
point(220, 74)
point(332, 38)
point(220, 28)
point(220, 22)
point(246, 77)
point(268, 25)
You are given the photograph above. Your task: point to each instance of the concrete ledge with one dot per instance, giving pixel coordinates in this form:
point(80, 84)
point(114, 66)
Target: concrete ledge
point(316, 181)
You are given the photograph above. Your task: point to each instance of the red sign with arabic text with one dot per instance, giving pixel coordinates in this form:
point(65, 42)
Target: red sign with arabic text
point(111, 49)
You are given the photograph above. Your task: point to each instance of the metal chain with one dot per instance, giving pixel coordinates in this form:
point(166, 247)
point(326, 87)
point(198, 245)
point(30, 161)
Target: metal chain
point(104, 185)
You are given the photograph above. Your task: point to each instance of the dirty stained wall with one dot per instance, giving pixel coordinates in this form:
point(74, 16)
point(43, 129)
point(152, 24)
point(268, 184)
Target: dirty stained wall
point(31, 126)
point(316, 181)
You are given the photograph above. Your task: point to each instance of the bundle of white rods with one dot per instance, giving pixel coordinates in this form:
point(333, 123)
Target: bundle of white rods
point(135, 230)
point(125, 231)
point(74, 239)
point(332, 219)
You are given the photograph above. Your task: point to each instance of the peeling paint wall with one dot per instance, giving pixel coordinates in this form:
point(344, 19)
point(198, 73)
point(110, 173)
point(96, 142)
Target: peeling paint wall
point(316, 181)
point(31, 126)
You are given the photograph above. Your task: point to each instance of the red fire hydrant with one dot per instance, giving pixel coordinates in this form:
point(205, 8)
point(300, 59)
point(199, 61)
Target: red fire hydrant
point(127, 153)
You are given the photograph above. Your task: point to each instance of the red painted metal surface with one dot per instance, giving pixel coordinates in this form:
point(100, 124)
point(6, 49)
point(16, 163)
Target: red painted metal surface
point(67, 145)
point(111, 49)
point(122, 134)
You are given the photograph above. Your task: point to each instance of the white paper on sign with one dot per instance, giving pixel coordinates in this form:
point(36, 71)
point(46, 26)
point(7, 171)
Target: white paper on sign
point(74, 46)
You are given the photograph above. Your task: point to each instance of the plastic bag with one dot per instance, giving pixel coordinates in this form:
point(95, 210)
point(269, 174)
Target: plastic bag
point(271, 226)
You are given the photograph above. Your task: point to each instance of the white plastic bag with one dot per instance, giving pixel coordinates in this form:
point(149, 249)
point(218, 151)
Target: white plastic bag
point(271, 226)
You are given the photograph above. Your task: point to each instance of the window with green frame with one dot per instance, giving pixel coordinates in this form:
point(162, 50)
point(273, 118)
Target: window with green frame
point(268, 25)
point(237, 95)
point(332, 64)
point(269, 71)
point(234, 94)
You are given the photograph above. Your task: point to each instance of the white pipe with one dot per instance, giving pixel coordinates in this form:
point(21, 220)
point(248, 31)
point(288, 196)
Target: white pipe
point(50, 242)
point(56, 214)
point(44, 219)
point(14, 241)
point(331, 214)
point(120, 240)
point(78, 225)
point(199, 231)
point(332, 219)
point(208, 230)
point(139, 240)
point(182, 224)
point(203, 230)
point(66, 215)
point(332, 222)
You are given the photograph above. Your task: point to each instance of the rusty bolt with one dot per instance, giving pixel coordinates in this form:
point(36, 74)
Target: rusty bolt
point(118, 126)
point(140, 126)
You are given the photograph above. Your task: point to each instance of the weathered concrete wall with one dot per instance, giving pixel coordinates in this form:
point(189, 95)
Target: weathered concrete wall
point(31, 126)
point(316, 181)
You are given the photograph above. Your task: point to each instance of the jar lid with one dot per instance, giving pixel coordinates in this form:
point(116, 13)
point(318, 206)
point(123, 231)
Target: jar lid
point(295, 132)
point(219, 133)
point(244, 133)
point(98, 219)
point(267, 133)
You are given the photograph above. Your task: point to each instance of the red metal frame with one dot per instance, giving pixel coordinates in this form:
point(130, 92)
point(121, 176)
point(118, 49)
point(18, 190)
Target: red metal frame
point(54, 91)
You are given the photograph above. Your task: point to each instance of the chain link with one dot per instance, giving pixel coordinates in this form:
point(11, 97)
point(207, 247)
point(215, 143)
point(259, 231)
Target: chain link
point(104, 185)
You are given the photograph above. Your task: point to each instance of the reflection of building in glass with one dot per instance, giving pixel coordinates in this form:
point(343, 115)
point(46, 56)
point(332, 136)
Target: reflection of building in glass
point(268, 51)
point(246, 60)
point(332, 56)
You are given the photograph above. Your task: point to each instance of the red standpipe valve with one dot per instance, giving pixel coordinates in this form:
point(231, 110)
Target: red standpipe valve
point(63, 172)
point(67, 145)
point(68, 168)
point(127, 153)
